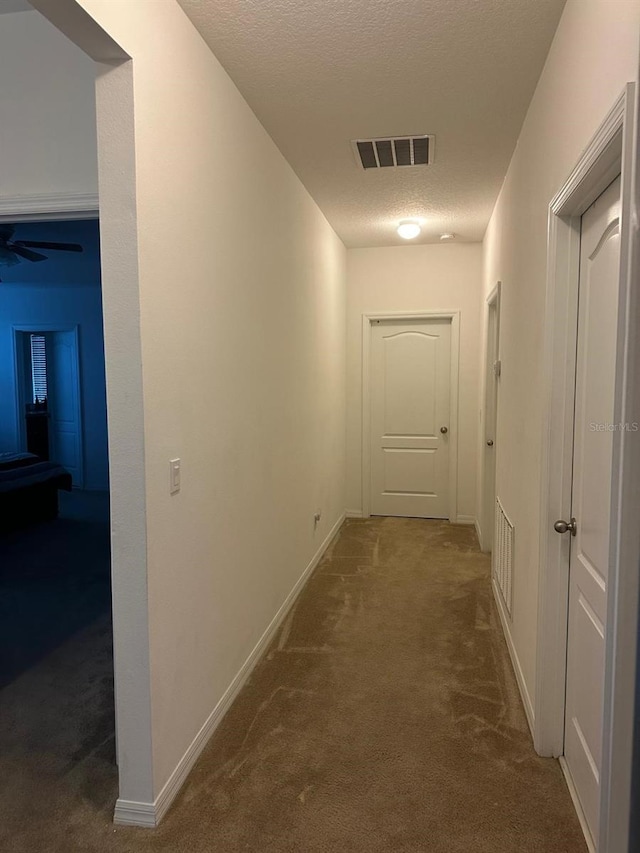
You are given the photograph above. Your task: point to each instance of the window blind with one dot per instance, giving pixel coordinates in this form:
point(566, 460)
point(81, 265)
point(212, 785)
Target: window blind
point(39, 367)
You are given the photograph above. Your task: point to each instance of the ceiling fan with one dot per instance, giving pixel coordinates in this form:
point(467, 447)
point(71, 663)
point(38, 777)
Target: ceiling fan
point(15, 251)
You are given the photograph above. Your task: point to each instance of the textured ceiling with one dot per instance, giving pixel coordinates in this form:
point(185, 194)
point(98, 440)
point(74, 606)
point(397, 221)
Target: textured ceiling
point(319, 73)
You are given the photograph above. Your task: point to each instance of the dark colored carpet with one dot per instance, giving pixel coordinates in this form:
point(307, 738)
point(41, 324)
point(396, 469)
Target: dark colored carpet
point(54, 580)
point(384, 717)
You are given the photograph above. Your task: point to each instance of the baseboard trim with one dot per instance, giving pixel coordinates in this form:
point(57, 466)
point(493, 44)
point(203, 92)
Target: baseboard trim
point(353, 513)
point(130, 813)
point(515, 660)
point(150, 814)
point(466, 519)
point(584, 826)
point(476, 524)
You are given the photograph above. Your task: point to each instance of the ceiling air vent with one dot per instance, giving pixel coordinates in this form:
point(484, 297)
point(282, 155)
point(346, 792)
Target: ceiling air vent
point(393, 152)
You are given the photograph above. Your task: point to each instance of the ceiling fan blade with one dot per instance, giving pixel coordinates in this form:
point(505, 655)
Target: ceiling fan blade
point(38, 244)
point(27, 253)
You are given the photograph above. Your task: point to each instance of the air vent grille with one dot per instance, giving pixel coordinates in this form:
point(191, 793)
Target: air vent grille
point(503, 556)
point(392, 152)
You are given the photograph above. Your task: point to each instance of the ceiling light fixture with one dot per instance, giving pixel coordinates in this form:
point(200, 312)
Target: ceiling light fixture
point(446, 237)
point(409, 229)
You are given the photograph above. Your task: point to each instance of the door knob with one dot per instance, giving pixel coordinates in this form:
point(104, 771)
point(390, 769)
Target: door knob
point(490, 442)
point(566, 526)
point(444, 430)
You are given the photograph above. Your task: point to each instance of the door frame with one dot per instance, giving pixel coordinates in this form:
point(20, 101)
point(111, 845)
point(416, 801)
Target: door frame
point(367, 323)
point(611, 152)
point(30, 328)
point(487, 495)
point(118, 207)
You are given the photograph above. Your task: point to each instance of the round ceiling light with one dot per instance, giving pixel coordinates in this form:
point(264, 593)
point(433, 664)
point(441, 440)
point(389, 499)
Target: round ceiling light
point(409, 229)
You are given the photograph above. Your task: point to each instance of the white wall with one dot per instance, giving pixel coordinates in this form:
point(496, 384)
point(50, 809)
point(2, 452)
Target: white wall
point(594, 53)
point(416, 278)
point(242, 321)
point(47, 104)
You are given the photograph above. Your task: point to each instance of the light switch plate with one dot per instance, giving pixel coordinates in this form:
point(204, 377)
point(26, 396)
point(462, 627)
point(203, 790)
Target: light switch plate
point(174, 476)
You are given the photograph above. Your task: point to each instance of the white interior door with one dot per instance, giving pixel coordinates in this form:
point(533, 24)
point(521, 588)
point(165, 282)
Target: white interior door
point(591, 498)
point(410, 404)
point(63, 382)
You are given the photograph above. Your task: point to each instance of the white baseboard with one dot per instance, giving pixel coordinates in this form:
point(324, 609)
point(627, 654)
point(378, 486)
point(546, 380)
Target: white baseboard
point(515, 660)
point(577, 805)
point(476, 524)
point(465, 519)
point(353, 513)
point(150, 814)
point(130, 813)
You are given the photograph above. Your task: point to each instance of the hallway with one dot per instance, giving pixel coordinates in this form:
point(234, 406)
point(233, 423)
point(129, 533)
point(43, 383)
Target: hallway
point(385, 717)
point(283, 189)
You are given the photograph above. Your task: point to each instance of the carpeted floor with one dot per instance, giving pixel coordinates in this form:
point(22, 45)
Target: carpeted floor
point(54, 580)
point(384, 717)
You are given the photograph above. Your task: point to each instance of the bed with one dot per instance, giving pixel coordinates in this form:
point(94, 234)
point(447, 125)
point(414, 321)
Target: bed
point(29, 489)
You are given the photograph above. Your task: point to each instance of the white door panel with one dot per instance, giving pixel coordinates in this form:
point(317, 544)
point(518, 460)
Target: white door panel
point(591, 496)
point(410, 388)
point(407, 471)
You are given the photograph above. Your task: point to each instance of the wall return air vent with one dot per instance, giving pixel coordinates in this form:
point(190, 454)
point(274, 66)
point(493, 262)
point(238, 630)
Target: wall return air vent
point(393, 152)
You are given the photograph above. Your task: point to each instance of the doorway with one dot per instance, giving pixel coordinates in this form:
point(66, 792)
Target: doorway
point(588, 583)
point(410, 415)
point(110, 76)
point(492, 374)
point(56, 662)
point(588, 527)
point(49, 401)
